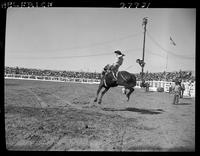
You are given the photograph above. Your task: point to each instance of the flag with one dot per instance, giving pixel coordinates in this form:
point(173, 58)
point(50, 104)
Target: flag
point(172, 42)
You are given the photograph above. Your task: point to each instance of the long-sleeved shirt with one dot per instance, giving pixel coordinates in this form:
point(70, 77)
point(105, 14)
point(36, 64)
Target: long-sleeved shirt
point(177, 89)
point(119, 61)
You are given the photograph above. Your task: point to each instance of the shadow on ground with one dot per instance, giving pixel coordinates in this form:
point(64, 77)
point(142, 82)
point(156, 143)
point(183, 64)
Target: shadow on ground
point(139, 110)
point(183, 103)
point(187, 98)
point(155, 148)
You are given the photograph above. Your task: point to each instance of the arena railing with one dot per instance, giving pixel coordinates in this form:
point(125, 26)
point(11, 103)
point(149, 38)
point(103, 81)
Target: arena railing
point(189, 88)
point(51, 78)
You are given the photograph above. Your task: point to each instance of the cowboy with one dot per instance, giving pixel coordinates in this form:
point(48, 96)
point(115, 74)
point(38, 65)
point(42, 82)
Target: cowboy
point(147, 86)
point(182, 89)
point(170, 88)
point(115, 66)
point(177, 89)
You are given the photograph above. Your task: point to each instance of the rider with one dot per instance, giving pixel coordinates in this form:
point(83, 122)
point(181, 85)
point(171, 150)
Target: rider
point(115, 66)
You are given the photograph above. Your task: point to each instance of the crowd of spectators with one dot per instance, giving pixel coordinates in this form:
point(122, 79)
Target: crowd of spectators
point(167, 76)
point(160, 76)
point(53, 73)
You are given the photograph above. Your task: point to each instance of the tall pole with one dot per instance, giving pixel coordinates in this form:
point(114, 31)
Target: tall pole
point(166, 62)
point(166, 67)
point(144, 23)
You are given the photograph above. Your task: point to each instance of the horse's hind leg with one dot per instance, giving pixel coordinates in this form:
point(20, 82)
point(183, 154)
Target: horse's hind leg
point(129, 93)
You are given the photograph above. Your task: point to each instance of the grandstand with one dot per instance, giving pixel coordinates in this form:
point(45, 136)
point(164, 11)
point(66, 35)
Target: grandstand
point(160, 76)
point(155, 80)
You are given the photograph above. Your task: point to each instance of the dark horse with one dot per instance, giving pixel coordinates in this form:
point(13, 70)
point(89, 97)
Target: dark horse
point(124, 78)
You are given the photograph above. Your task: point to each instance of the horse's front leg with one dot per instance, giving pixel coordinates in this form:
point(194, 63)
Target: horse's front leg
point(100, 99)
point(99, 89)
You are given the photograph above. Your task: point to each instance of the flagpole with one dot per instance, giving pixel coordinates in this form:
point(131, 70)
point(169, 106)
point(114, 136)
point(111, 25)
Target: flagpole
point(166, 67)
point(166, 63)
point(172, 42)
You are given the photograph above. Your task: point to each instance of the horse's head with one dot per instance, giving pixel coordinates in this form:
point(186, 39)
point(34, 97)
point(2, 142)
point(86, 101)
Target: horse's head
point(106, 67)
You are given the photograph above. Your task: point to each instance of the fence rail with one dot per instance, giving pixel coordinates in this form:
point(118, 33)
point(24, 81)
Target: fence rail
point(189, 88)
point(51, 78)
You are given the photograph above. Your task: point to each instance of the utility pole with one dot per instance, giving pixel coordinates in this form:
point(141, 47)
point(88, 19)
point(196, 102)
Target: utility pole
point(144, 23)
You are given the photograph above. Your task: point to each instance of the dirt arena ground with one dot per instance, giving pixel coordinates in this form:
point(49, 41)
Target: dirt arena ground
point(56, 116)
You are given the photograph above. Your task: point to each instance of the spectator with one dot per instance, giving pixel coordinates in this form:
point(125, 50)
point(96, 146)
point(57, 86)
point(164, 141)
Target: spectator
point(182, 89)
point(170, 88)
point(176, 93)
point(190, 88)
point(147, 86)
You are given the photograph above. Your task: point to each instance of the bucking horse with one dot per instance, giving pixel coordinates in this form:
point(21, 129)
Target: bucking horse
point(111, 79)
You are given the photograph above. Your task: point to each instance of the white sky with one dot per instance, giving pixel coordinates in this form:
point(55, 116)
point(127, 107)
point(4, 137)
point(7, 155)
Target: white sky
point(67, 38)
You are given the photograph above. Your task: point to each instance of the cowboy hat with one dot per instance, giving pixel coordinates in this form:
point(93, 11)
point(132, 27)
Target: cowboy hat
point(119, 52)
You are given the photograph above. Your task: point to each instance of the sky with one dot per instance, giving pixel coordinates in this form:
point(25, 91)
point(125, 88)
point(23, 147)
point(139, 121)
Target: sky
point(84, 39)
